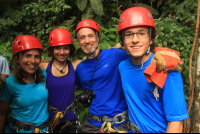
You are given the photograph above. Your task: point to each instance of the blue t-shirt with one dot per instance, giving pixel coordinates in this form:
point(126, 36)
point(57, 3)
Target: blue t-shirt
point(109, 98)
point(149, 114)
point(29, 102)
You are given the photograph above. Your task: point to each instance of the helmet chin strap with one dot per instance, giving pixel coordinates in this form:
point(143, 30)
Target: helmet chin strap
point(148, 50)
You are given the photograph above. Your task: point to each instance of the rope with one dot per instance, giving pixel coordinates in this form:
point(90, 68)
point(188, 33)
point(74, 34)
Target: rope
point(56, 119)
point(107, 126)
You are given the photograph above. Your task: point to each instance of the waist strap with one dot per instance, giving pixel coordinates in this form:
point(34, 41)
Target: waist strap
point(20, 125)
point(53, 110)
point(133, 127)
point(117, 119)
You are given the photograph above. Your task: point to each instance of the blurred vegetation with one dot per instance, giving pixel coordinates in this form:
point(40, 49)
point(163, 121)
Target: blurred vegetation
point(175, 22)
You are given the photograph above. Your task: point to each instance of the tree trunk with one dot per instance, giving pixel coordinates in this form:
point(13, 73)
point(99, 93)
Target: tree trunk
point(195, 119)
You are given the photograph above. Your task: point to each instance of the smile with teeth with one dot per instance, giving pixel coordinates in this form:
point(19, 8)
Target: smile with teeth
point(136, 47)
point(88, 46)
point(31, 66)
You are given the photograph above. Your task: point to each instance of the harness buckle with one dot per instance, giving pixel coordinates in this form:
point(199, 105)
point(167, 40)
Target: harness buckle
point(119, 118)
point(28, 127)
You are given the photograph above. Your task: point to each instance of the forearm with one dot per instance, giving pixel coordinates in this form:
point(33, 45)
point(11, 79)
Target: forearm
point(2, 122)
point(175, 127)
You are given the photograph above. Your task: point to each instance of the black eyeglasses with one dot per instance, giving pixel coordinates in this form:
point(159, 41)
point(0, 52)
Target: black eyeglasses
point(140, 34)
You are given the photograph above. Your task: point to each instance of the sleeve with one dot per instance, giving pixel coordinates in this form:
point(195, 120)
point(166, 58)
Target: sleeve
point(120, 54)
point(173, 98)
point(5, 67)
point(78, 84)
point(5, 94)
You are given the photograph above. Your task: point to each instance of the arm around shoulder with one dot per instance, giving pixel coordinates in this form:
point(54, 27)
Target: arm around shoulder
point(43, 65)
point(75, 63)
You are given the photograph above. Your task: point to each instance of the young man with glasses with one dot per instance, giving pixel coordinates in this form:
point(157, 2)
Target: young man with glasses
point(151, 109)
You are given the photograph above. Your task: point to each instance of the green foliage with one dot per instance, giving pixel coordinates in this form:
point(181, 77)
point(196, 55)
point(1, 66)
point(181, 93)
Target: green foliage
point(175, 22)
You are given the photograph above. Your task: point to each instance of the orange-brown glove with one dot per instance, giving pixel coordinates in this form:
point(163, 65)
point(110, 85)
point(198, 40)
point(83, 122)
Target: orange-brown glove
point(164, 61)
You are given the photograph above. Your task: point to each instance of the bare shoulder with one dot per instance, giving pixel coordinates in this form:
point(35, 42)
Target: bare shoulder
point(43, 65)
point(75, 63)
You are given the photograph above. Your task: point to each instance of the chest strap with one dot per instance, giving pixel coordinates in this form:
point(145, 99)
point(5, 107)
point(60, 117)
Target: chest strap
point(53, 110)
point(133, 127)
point(20, 125)
point(117, 119)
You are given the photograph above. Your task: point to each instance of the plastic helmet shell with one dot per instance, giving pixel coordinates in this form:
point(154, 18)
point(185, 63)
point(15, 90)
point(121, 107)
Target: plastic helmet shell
point(135, 16)
point(60, 36)
point(88, 23)
point(25, 42)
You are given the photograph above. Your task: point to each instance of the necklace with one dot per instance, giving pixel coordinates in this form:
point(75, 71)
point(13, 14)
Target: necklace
point(61, 71)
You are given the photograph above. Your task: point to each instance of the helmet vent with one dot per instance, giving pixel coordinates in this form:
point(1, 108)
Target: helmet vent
point(70, 37)
point(19, 43)
point(121, 20)
point(150, 16)
point(51, 38)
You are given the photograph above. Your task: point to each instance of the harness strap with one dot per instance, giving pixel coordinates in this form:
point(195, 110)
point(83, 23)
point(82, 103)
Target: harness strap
point(60, 115)
point(133, 127)
point(67, 110)
point(118, 118)
point(20, 125)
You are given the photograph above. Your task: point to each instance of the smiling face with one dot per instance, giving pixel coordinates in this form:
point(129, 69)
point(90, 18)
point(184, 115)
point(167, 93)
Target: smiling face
point(61, 53)
point(87, 40)
point(137, 46)
point(30, 60)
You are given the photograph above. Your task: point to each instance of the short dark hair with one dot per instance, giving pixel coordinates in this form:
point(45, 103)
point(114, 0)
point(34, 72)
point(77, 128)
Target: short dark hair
point(19, 73)
point(153, 35)
point(72, 52)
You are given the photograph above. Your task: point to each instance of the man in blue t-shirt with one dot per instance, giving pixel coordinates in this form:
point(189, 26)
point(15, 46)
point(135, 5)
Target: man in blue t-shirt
point(109, 103)
point(150, 109)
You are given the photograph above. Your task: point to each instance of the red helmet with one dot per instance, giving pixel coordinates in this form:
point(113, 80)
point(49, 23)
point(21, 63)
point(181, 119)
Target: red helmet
point(60, 36)
point(25, 42)
point(135, 16)
point(89, 24)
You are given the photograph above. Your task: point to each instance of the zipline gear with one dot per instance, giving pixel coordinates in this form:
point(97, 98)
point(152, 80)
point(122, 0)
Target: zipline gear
point(109, 128)
point(20, 125)
point(133, 127)
point(117, 119)
point(88, 23)
point(25, 42)
point(60, 115)
point(135, 16)
point(60, 36)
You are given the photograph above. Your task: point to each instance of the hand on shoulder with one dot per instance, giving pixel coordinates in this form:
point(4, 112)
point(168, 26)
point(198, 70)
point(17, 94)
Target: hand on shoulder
point(43, 65)
point(75, 63)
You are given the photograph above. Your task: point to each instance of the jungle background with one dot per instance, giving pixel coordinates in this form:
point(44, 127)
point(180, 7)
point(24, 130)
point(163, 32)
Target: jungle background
point(175, 22)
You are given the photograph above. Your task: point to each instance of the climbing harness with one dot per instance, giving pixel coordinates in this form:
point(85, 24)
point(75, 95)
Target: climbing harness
point(109, 128)
point(117, 119)
point(60, 115)
point(107, 125)
point(20, 125)
point(133, 127)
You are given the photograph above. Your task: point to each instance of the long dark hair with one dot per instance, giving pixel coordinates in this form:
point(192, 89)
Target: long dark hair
point(20, 74)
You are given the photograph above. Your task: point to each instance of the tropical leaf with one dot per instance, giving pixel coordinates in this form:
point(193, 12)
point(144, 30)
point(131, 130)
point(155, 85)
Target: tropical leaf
point(152, 10)
point(81, 4)
point(97, 6)
point(68, 23)
point(88, 13)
